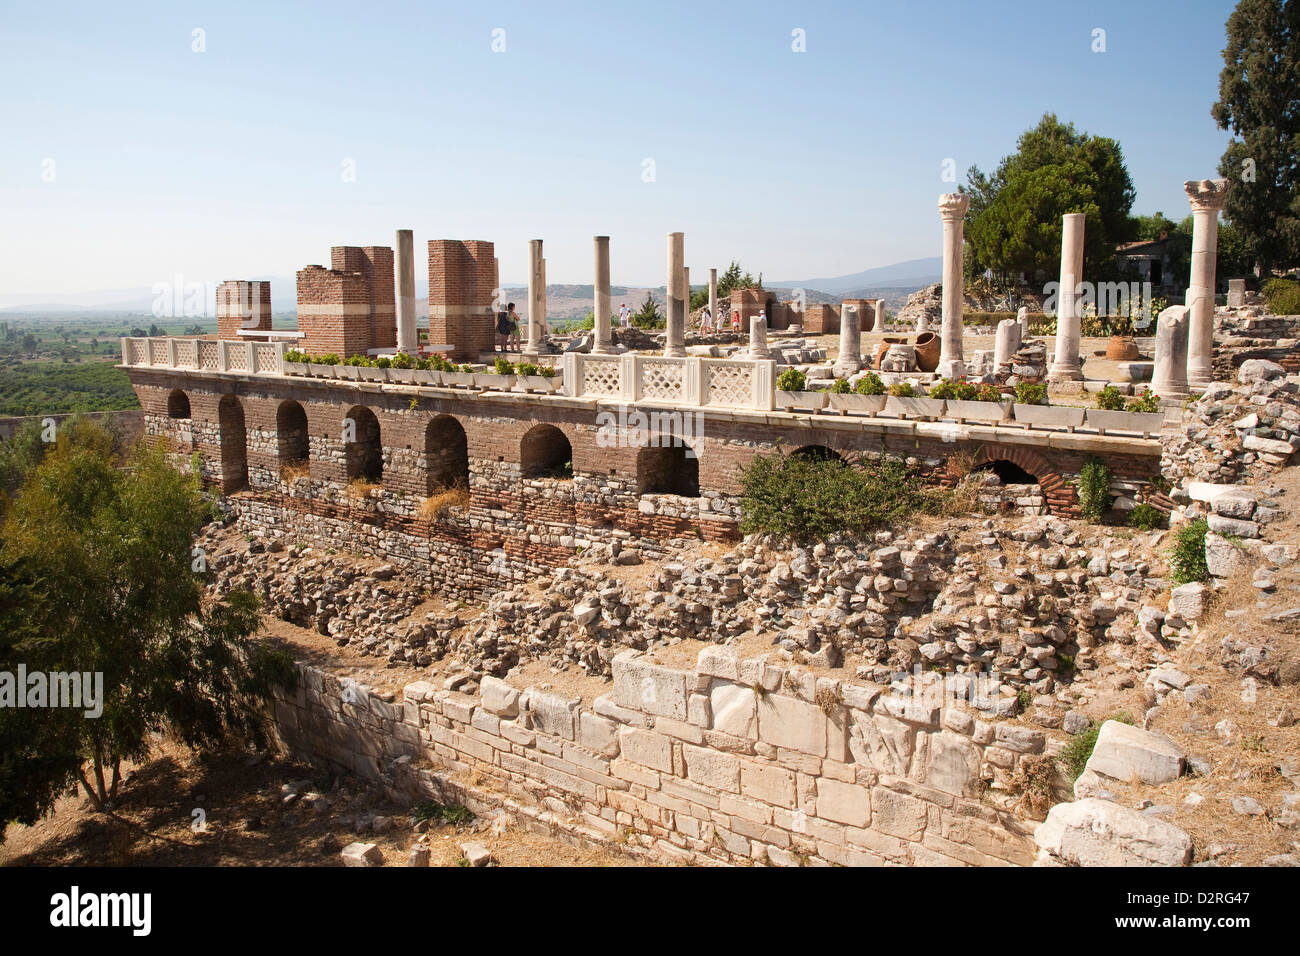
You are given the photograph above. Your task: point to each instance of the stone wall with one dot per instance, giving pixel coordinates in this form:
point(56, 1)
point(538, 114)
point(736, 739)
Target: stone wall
point(735, 762)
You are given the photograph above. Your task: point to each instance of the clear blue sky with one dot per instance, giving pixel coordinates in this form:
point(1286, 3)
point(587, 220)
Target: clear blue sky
point(227, 163)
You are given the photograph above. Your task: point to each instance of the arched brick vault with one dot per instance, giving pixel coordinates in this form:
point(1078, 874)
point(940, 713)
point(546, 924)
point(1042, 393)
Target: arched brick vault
point(1059, 493)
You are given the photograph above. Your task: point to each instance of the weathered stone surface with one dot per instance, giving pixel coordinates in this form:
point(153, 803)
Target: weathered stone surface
point(843, 802)
point(734, 709)
point(362, 854)
point(1224, 557)
point(1094, 832)
point(711, 768)
point(1188, 600)
point(1259, 370)
point(647, 748)
point(787, 722)
point(499, 697)
point(954, 763)
point(476, 853)
point(649, 687)
point(897, 814)
point(1124, 753)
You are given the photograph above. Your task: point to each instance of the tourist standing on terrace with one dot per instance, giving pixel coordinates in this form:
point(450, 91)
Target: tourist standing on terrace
point(514, 328)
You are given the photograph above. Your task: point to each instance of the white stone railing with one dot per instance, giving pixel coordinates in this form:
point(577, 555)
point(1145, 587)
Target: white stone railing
point(694, 381)
point(206, 355)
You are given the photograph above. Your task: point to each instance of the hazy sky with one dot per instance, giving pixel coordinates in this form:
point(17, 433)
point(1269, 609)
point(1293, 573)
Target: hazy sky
point(231, 162)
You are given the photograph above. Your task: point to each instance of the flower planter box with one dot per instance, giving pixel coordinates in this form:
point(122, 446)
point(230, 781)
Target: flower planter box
point(539, 383)
point(493, 382)
point(1048, 416)
point(350, 372)
point(1144, 423)
point(458, 379)
point(405, 376)
point(322, 371)
point(297, 368)
point(800, 401)
point(427, 376)
point(853, 404)
point(965, 410)
point(367, 374)
point(914, 407)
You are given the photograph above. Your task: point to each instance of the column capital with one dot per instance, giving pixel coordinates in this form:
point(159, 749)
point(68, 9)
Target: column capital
point(953, 206)
point(1206, 194)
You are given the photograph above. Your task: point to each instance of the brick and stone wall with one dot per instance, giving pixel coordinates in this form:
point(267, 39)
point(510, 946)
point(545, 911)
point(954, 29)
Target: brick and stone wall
point(243, 304)
point(821, 319)
point(736, 761)
point(462, 276)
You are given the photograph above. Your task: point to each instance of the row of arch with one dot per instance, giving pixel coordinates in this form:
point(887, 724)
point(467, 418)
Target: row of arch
point(544, 450)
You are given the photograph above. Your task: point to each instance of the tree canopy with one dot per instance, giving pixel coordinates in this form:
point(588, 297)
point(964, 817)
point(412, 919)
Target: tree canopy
point(1259, 102)
point(1015, 213)
point(97, 576)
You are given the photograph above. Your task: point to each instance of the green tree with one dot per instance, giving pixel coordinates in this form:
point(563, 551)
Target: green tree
point(1258, 104)
point(96, 574)
point(1052, 144)
point(648, 316)
point(734, 278)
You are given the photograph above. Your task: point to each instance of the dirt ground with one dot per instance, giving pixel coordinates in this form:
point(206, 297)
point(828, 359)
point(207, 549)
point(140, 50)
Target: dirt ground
point(180, 809)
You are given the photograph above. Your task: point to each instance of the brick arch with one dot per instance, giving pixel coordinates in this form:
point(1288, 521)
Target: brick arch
point(1059, 493)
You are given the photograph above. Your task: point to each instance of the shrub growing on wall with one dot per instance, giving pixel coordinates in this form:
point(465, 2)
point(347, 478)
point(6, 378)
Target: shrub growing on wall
point(1094, 489)
point(1187, 557)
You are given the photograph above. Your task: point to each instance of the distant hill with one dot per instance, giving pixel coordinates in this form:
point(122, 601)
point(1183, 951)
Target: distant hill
point(911, 275)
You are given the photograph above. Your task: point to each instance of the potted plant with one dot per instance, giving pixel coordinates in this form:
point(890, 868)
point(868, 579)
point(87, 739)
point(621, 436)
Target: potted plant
point(865, 398)
point(350, 367)
point(426, 373)
point(296, 363)
point(903, 402)
point(402, 369)
point(371, 371)
point(501, 378)
point(535, 378)
point(792, 394)
point(325, 366)
point(966, 400)
point(457, 375)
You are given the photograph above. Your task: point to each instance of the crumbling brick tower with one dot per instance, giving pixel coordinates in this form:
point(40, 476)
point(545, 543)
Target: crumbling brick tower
point(243, 304)
point(461, 279)
point(350, 308)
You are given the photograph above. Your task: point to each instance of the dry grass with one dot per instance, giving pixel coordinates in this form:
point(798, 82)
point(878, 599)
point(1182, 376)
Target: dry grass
point(433, 506)
point(291, 471)
point(361, 488)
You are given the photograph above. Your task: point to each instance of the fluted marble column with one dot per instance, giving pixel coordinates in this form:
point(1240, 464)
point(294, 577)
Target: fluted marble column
point(952, 208)
point(1207, 198)
point(1065, 365)
point(603, 341)
point(407, 337)
point(675, 340)
point(536, 294)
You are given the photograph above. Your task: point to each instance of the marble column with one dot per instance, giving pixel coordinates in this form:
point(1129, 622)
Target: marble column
point(879, 325)
point(675, 340)
point(536, 293)
point(758, 348)
point(686, 286)
point(713, 296)
point(603, 341)
point(1022, 317)
point(1169, 377)
point(952, 208)
point(849, 359)
point(1207, 198)
point(1066, 366)
point(408, 340)
point(1005, 343)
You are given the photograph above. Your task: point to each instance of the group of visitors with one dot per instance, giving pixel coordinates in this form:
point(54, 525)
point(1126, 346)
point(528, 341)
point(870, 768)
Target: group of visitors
point(707, 326)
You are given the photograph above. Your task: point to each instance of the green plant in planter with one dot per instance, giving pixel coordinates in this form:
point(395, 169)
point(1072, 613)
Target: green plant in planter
point(1111, 399)
point(504, 367)
point(960, 390)
point(792, 380)
point(329, 358)
point(1031, 393)
point(527, 368)
point(988, 393)
point(295, 355)
point(383, 362)
point(870, 384)
point(423, 364)
point(902, 390)
point(356, 360)
point(402, 360)
point(1094, 489)
point(546, 371)
point(1148, 402)
point(841, 386)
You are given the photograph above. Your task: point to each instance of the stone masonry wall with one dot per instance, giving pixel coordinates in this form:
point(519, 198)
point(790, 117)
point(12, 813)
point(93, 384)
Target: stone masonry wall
point(734, 762)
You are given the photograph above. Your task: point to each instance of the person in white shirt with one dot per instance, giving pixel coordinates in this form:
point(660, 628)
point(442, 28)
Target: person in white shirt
point(706, 321)
point(622, 316)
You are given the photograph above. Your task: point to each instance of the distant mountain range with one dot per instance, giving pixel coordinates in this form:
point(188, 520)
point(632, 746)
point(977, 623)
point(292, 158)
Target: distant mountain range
point(892, 283)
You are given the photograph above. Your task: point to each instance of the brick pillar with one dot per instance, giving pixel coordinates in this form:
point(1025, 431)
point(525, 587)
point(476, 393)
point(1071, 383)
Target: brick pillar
point(333, 311)
point(461, 280)
point(243, 304)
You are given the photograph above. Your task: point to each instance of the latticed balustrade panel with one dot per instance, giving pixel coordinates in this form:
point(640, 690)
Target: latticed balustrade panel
point(663, 380)
point(729, 385)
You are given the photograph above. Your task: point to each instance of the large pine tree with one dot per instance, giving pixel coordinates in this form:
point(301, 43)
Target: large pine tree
point(1259, 101)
